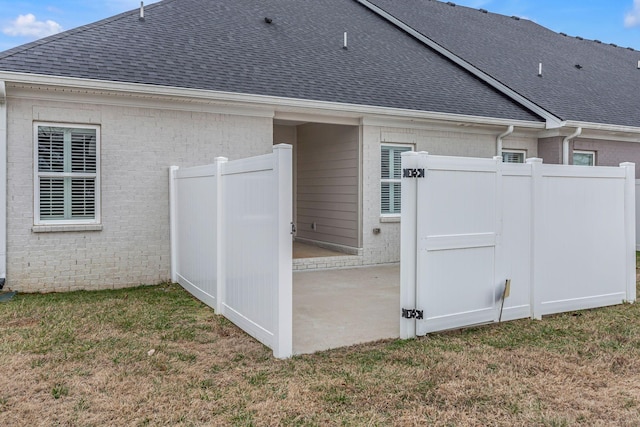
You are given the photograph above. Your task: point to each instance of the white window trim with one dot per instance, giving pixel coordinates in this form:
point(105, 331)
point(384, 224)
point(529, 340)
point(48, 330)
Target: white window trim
point(65, 225)
point(389, 217)
point(523, 152)
point(589, 152)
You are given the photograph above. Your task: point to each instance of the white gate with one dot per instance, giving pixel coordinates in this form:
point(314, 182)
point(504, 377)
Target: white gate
point(563, 235)
point(231, 241)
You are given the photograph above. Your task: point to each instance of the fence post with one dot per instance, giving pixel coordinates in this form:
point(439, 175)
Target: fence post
point(283, 170)
point(173, 221)
point(408, 242)
point(220, 236)
point(536, 224)
point(630, 227)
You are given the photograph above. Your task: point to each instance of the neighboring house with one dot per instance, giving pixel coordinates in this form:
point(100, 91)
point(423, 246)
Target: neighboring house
point(591, 86)
point(91, 119)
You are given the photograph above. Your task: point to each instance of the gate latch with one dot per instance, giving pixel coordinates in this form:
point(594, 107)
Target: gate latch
point(293, 229)
point(412, 314)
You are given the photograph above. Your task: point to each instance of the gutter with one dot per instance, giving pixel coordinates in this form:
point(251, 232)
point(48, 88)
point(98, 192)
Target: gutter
point(506, 133)
point(552, 121)
point(565, 145)
point(3, 183)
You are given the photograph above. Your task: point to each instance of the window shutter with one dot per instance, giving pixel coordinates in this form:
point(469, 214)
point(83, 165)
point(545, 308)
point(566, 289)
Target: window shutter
point(51, 198)
point(385, 198)
point(50, 150)
point(83, 150)
point(397, 163)
point(385, 152)
point(83, 198)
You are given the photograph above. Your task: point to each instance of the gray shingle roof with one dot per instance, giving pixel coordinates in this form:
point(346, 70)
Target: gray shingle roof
point(226, 45)
point(604, 90)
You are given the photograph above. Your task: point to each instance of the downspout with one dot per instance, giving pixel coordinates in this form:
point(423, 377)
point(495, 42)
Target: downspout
point(506, 133)
point(3, 183)
point(565, 145)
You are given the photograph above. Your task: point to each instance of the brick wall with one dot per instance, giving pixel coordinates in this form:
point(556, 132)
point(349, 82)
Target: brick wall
point(138, 146)
point(610, 153)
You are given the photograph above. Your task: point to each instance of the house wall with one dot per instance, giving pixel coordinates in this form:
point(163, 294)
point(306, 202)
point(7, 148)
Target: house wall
point(138, 144)
point(550, 150)
point(609, 153)
point(384, 247)
point(327, 183)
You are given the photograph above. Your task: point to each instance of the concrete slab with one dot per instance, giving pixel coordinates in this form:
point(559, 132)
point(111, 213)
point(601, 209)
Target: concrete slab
point(341, 307)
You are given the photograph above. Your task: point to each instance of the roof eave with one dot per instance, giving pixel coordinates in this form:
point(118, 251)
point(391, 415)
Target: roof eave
point(264, 105)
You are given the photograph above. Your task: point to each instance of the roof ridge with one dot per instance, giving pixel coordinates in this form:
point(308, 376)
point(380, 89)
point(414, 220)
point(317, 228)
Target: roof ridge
point(22, 48)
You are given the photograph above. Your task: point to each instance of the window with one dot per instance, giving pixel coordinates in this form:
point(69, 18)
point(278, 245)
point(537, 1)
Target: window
point(513, 156)
point(67, 179)
point(584, 158)
point(390, 177)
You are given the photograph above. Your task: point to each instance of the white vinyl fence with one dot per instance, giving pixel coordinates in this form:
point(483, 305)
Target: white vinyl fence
point(563, 235)
point(637, 215)
point(231, 241)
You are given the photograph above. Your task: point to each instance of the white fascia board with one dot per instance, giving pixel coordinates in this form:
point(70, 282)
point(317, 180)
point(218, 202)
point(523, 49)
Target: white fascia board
point(604, 127)
point(596, 131)
point(277, 107)
point(551, 120)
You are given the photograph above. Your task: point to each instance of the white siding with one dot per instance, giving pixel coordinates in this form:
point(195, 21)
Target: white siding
point(327, 183)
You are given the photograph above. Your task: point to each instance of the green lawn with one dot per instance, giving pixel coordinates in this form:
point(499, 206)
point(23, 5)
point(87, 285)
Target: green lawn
point(156, 356)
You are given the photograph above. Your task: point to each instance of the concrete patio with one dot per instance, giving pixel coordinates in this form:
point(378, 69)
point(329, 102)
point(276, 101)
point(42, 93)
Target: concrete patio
point(342, 307)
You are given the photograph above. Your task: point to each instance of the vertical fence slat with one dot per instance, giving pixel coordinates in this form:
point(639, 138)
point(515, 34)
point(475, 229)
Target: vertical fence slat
point(630, 214)
point(536, 222)
point(173, 222)
point(220, 236)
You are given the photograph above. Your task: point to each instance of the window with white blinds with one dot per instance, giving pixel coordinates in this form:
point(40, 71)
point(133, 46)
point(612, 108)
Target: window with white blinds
point(584, 158)
point(513, 156)
point(67, 174)
point(390, 178)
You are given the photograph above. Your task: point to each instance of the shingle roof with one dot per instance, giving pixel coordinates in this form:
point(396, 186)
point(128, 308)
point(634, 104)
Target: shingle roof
point(226, 45)
point(582, 80)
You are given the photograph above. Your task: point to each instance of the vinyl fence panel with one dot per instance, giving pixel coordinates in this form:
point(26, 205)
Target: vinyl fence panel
point(195, 234)
point(232, 243)
point(456, 229)
point(580, 234)
point(563, 236)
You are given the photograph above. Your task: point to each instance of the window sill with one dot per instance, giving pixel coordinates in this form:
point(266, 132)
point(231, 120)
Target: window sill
point(66, 227)
point(390, 218)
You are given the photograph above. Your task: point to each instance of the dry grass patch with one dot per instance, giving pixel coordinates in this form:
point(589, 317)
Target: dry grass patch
point(85, 358)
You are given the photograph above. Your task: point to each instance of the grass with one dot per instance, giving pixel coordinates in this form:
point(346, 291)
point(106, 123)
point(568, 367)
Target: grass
point(85, 359)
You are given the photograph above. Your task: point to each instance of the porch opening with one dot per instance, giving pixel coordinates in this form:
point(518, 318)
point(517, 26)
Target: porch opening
point(327, 198)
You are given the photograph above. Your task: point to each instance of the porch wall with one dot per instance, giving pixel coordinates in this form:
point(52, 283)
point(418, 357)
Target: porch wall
point(137, 146)
point(384, 247)
point(327, 159)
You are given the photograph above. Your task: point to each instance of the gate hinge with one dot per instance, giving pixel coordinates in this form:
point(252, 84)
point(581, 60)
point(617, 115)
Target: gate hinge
point(293, 228)
point(412, 314)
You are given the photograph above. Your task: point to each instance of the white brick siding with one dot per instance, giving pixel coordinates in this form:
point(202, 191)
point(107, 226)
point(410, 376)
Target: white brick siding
point(138, 146)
